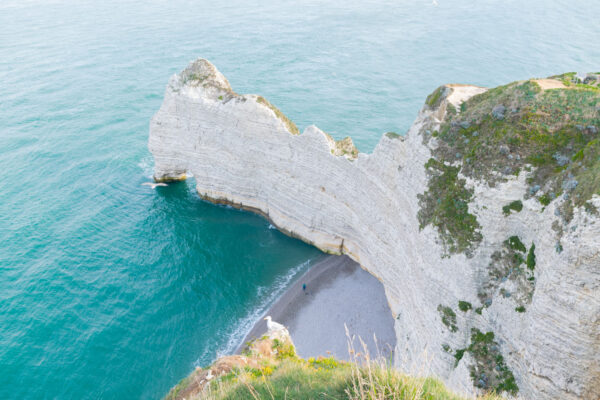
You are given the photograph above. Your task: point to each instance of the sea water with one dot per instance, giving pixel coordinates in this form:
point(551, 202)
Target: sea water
point(112, 290)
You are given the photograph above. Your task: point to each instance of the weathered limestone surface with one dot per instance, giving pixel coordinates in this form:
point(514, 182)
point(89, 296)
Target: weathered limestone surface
point(242, 152)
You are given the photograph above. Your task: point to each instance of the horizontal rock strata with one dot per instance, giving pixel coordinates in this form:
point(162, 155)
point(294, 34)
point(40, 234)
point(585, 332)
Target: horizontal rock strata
point(243, 151)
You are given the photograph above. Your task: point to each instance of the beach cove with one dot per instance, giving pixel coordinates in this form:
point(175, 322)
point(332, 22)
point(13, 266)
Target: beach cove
point(338, 294)
point(109, 289)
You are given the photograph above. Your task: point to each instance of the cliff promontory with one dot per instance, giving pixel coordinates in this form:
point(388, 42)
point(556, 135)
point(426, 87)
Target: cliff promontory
point(481, 222)
point(270, 368)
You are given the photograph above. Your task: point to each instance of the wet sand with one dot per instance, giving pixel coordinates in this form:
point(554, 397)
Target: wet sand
point(337, 291)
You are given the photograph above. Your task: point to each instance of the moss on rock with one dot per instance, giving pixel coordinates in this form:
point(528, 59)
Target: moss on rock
point(464, 306)
point(531, 257)
point(448, 317)
point(291, 127)
point(435, 98)
point(555, 130)
point(516, 205)
point(445, 206)
point(489, 371)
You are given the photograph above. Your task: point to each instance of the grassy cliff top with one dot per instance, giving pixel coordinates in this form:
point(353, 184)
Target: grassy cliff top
point(270, 369)
point(509, 128)
point(548, 127)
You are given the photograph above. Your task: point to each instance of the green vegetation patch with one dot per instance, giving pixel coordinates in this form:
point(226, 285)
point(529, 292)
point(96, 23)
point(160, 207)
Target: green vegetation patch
point(177, 390)
point(508, 265)
point(464, 306)
point(445, 206)
point(570, 79)
point(195, 77)
point(278, 373)
point(202, 73)
point(489, 371)
point(291, 127)
point(500, 132)
point(302, 380)
point(435, 98)
point(531, 257)
point(458, 355)
point(345, 147)
point(289, 380)
point(516, 205)
point(283, 349)
point(448, 317)
point(392, 135)
point(515, 243)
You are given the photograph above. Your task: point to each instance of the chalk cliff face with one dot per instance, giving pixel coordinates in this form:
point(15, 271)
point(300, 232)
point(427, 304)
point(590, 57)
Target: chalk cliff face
point(243, 151)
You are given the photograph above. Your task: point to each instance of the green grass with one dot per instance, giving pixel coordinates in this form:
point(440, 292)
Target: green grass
point(284, 375)
point(290, 379)
point(548, 129)
point(570, 79)
point(300, 380)
point(291, 127)
point(284, 349)
point(392, 135)
point(435, 98)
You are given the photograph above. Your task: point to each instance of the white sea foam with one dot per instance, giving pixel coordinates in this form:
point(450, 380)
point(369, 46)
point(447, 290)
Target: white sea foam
point(147, 165)
point(241, 329)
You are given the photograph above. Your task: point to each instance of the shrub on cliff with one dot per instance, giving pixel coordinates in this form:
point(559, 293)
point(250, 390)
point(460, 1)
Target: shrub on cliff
point(445, 205)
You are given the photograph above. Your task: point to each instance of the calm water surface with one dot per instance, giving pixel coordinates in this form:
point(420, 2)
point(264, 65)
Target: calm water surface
point(111, 290)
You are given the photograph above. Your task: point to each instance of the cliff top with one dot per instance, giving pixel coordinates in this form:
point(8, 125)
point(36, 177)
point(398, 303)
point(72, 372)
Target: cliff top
point(270, 369)
point(202, 73)
point(547, 128)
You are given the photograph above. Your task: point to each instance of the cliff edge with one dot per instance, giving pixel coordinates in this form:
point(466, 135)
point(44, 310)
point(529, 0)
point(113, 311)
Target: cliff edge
point(481, 222)
point(270, 368)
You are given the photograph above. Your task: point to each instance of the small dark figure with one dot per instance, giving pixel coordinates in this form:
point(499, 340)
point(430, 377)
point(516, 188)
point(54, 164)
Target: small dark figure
point(304, 288)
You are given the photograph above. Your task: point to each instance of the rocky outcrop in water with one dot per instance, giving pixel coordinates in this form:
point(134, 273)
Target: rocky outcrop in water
point(491, 267)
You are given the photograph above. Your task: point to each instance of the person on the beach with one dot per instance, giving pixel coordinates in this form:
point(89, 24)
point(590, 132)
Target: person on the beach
point(304, 288)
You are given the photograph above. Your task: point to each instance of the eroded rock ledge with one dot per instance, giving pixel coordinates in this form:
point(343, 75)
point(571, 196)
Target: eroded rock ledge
point(469, 308)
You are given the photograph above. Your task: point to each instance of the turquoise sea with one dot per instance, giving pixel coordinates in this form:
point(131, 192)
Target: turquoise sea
point(111, 290)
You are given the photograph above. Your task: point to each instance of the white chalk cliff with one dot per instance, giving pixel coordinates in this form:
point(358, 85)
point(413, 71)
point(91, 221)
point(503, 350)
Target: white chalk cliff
point(242, 151)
